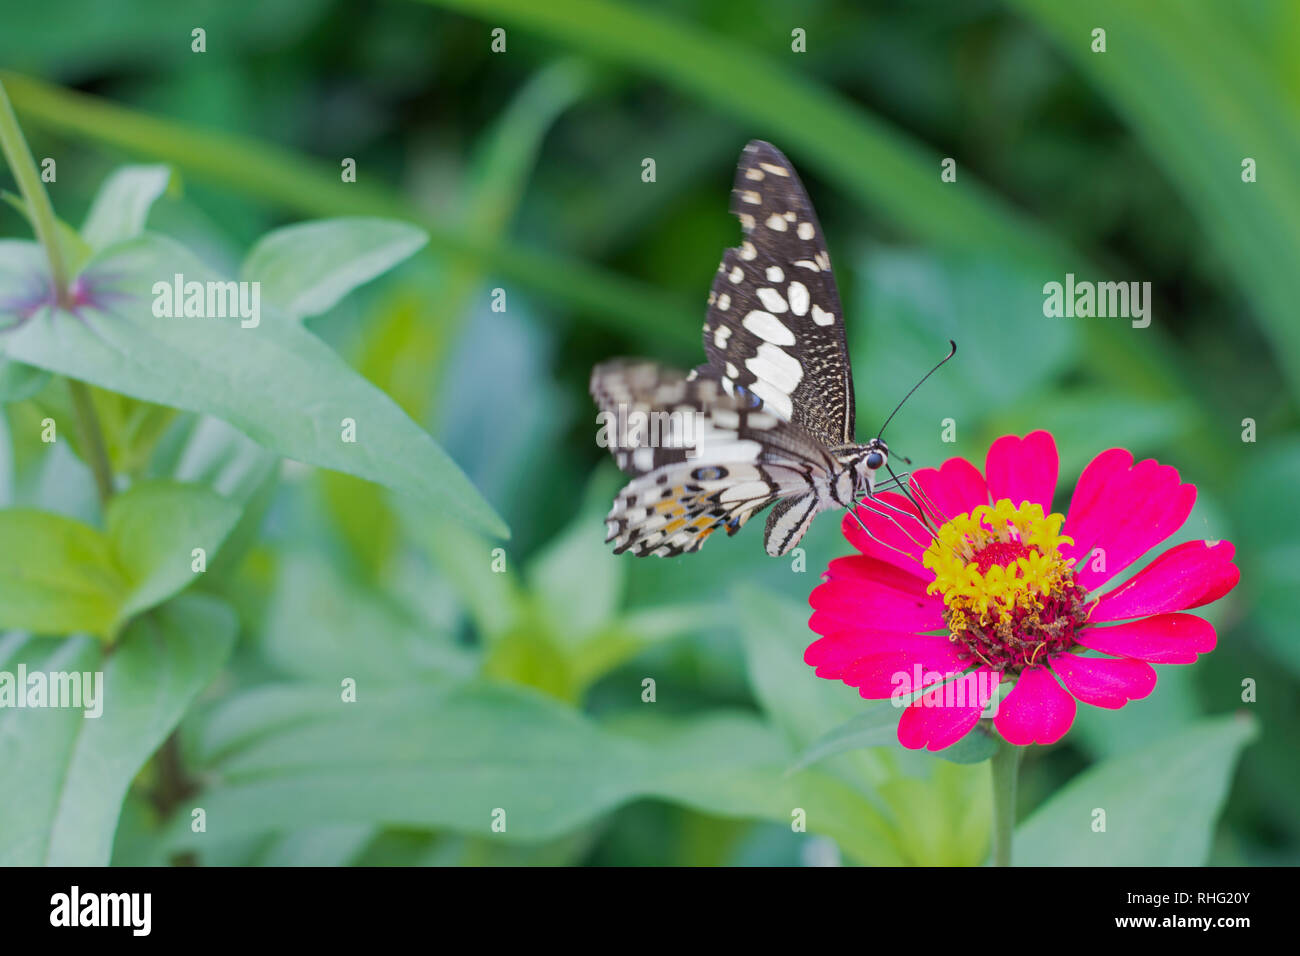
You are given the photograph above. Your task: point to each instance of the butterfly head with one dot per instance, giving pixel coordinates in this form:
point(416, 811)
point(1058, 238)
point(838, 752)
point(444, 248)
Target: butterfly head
point(874, 457)
point(860, 464)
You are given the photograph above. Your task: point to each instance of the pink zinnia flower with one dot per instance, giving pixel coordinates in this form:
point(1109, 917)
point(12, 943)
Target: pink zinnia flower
point(1006, 591)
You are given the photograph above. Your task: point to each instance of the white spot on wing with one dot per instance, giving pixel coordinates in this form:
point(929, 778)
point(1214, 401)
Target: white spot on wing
point(726, 418)
point(768, 327)
point(720, 336)
point(775, 223)
point(774, 274)
point(724, 302)
point(746, 491)
point(736, 274)
point(798, 298)
point(821, 316)
point(806, 231)
point(751, 197)
point(774, 169)
point(808, 264)
point(772, 300)
point(747, 251)
point(772, 365)
point(774, 399)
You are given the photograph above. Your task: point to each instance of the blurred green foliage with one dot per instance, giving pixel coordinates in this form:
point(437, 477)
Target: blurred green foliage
point(523, 690)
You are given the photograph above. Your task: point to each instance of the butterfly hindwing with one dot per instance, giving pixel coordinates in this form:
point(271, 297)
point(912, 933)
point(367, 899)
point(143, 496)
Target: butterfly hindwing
point(725, 458)
point(775, 324)
point(675, 509)
point(654, 415)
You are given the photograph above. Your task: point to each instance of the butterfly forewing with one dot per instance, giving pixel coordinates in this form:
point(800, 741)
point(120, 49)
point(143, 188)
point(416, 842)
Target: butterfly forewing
point(775, 326)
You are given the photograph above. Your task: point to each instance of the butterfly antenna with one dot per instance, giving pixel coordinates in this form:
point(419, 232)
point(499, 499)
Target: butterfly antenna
point(951, 353)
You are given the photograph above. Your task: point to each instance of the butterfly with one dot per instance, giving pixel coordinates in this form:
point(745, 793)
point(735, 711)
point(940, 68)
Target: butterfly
point(769, 418)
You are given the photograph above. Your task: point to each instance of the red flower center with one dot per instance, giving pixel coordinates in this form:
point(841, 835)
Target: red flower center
point(1003, 553)
point(1009, 597)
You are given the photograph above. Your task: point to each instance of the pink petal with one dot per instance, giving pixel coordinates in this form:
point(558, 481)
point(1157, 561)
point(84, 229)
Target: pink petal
point(1023, 469)
point(1164, 638)
point(953, 489)
point(934, 723)
point(1186, 576)
point(1104, 681)
point(849, 600)
point(1036, 711)
point(899, 533)
point(1124, 510)
point(882, 663)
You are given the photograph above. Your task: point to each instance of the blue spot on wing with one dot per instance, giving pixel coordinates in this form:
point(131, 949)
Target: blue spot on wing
point(748, 398)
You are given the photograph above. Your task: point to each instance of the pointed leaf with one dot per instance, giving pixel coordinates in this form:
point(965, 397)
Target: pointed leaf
point(305, 269)
point(1160, 803)
point(122, 204)
point(275, 381)
point(66, 774)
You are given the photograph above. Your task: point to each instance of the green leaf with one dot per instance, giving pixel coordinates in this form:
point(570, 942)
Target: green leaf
point(311, 187)
point(576, 579)
point(154, 527)
point(1160, 803)
point(287, 757)
point(876, 726)
point(276, 382)
point(321, 625)
point(1218, 102)
point(19, 381)
point(66, 774)
point(805, 706)
point(1269, 565)
point(976, 747)
point(122, 204)
point(76, 251)
point(915, 303)
point(306, 268)
point(57, 575)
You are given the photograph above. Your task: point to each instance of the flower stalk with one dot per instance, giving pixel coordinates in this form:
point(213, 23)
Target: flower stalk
point(20, 161)
point(92, 439)
point(1005, 764)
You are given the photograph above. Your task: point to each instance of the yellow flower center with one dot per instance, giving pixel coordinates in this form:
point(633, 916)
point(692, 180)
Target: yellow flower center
point(1009, 597)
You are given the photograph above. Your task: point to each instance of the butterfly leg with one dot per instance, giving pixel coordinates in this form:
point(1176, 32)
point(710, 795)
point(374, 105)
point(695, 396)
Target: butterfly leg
point(853, 510)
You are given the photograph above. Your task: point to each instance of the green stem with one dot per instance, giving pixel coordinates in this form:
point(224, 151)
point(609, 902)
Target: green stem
point(92, 439)
point(1006, 768)
point(20, 161)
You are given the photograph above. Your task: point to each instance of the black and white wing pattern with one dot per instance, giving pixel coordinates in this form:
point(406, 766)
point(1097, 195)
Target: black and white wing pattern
point(701, 457)
point(775, 325)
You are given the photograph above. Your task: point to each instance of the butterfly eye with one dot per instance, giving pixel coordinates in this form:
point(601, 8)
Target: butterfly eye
point(875, 460)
